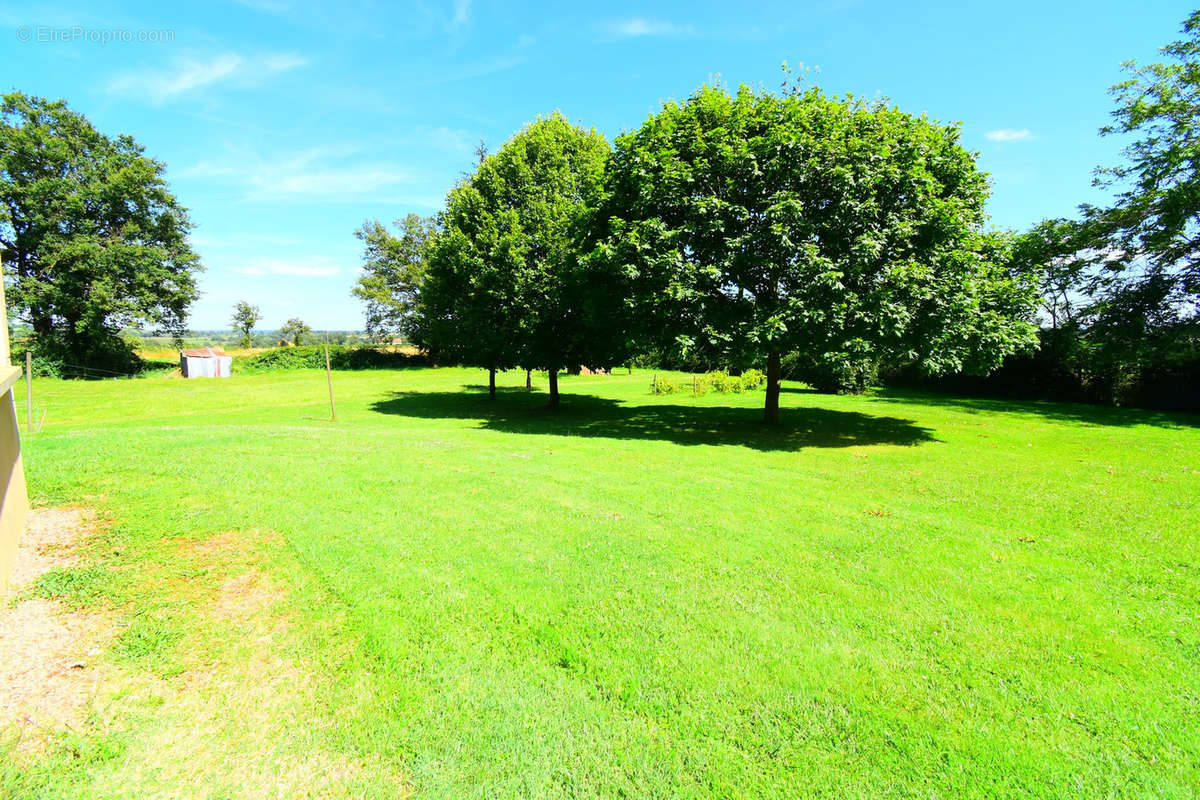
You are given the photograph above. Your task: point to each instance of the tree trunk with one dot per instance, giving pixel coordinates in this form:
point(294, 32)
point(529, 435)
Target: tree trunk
point(492, 383)
point(553, 387)
point(528, 379)
point(771, 411)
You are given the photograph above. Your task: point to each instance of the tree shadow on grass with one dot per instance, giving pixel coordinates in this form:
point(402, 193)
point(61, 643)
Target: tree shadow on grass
point(1079, 413)
point(520, 411)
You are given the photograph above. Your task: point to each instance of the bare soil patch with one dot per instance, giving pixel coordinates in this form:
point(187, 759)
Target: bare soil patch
point(49, 655)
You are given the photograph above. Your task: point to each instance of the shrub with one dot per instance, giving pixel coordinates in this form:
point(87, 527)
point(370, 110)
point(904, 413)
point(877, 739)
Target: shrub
point(716, 381)
point(839, 373)
point(313, 357)
point(753, 379)
point(662, 385)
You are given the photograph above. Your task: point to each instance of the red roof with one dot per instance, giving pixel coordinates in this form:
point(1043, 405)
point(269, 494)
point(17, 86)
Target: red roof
point(202, 352)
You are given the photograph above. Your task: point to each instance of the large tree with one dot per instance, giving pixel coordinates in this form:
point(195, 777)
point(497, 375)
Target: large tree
point(95, 240)
point(505, 286)
point(841, 230)
point(393, 271)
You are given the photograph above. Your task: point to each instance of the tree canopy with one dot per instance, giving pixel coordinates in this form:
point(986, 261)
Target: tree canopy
point(1126, 276)
point(843, 231)
point(504, 282)
point(95, 241)
point(245, 317)
point(393, 271)
point(295, 329)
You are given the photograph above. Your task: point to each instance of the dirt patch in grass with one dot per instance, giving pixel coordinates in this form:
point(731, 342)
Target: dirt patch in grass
point(202, 674)
point(50, 666)
point(245, 715)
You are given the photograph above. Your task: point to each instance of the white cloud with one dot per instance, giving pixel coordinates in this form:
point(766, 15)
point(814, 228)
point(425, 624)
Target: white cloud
point(329, 184)
point(331, 174)
point(308, 267)
point(462, 13)
point(190, 75)
point(1008, 134)
point(639, 26)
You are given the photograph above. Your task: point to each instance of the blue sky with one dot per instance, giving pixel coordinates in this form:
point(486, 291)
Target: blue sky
point(285, 124)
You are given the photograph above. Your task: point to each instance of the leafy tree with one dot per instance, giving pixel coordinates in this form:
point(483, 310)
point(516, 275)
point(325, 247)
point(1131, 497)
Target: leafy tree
point(1123, 281)
point(504, 285)
point(296, 329)
point(245, 317)
point(840, 230)
point(393, 270)
point(94, 239)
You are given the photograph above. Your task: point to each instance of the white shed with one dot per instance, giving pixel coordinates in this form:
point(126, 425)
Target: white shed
point(205, 362)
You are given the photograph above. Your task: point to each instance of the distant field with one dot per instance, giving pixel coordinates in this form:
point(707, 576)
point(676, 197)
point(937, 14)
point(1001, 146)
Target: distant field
point(640, 596)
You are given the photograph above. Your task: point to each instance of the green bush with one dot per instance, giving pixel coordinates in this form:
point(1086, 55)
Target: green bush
point(313, 357)
point(662, 385)
point(715, 381)
point(754, 379)
point(723, 382)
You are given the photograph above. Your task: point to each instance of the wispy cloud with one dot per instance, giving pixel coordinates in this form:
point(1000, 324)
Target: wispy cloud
point(310, 267)
point(269, 6)
point(191, 75)
point(479, 69)
point(462, 13)
point(351, 183)
point(1008, 134)
point(322, 174)
point(639, 26)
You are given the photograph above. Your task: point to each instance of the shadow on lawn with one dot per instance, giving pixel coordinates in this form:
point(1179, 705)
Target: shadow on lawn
point(1080, 413)
point(520, 411)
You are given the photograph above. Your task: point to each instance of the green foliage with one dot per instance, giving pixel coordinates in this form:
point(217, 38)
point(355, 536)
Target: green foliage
point(149, 638)
point(313, 357)
point(716, 381)
point(73, 586)
point(1121, 294)
point(296, 329)
point(661, 384)
point(836, 373)
point(245, 317)
point(757, 224)
point(393, 272)
point(504, 285)
point(95, 241)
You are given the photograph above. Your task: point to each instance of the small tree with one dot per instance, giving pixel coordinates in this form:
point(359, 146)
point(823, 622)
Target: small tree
point(393, 271)
point(843, 231)
point(245, 317)
point(296, 329)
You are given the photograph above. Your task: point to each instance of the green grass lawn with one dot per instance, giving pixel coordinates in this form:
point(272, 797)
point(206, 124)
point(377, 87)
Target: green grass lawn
point(894, 595)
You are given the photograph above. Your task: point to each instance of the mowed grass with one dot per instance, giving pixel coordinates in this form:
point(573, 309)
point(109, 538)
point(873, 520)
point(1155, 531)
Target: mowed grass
point(893, 595)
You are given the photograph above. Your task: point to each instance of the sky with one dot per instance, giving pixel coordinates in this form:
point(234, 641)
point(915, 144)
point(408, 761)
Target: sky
point(285, 124)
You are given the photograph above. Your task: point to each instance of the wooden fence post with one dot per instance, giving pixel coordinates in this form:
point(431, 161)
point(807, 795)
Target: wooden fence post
point(28, 390)
point(329, 379)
